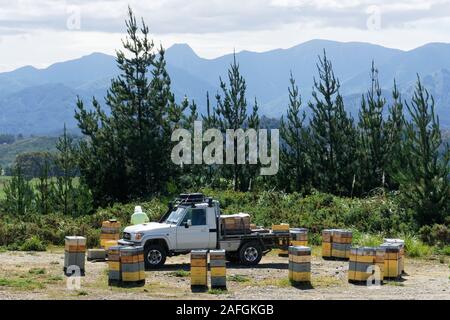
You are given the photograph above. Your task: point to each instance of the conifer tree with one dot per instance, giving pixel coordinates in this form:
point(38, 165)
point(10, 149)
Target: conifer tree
point(64, 190)
point(395, 138)
point(294, 158)
point(424, 177)
point(44, 188)
point(374, 143)
point(19, 193)
point(333, 145)
point(126, 154)
point(232, 114)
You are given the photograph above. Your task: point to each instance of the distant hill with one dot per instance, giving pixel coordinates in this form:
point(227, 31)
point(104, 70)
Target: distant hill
point(40, 101)
point(8, 152)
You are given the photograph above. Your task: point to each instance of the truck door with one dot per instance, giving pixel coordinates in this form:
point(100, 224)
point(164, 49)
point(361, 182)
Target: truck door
point(195, 236)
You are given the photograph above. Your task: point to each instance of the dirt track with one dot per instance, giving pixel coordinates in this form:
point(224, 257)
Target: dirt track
point(39, 276)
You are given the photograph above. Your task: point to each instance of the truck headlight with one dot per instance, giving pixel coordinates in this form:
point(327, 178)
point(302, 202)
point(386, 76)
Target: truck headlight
point(138, 236)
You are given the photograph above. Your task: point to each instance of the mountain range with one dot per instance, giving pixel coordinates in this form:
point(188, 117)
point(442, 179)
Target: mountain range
point(40, 101)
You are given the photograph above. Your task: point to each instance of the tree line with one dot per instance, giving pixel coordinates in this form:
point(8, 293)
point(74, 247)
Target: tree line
point(125, 152)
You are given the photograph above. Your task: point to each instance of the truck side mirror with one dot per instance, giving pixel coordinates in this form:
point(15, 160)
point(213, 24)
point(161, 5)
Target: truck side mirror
point(188, 223)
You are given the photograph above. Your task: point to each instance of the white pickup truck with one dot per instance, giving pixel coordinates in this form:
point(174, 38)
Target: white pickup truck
point(192, 222)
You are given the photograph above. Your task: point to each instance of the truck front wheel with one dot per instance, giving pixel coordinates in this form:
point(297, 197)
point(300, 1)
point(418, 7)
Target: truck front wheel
point(250, 253)
point(154, 256)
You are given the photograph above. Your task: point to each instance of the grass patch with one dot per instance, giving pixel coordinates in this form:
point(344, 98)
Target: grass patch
point(325, 281)
point(82, 293)
point(280, 283)
point(217, 291)
point(238, 278)
point(416, 248)
point(54, 279)
point(180, 274)
point(37, 271)
point(21, 284)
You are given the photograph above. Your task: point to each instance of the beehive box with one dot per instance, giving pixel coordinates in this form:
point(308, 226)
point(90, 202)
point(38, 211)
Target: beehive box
point(402, 251)
point(326, 242)
point(299, 264)
point(217, 263)
point(74, 254)
point(299, 237)
point(114, 271)
point(110, 231)
point(392, 260)
point(364, 262)
point(132, 265)
point(199, 269)
point(235, 223)
point(336, 243)
point(96, 254)
point(280, 228)
point(341, 244)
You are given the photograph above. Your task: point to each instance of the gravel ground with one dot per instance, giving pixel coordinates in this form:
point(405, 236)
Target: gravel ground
point(39, 276)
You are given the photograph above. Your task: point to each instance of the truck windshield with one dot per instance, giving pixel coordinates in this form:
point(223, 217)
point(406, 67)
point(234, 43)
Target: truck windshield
point(175, 216)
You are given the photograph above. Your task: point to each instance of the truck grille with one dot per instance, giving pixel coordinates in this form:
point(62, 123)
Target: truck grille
point(126, 236)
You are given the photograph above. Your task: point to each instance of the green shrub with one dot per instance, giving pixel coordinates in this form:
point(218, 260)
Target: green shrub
point(33, 244)
point(415, 248)
point(438, 234)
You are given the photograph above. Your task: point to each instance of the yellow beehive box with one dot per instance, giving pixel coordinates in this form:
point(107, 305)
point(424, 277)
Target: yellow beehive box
point(199, 268)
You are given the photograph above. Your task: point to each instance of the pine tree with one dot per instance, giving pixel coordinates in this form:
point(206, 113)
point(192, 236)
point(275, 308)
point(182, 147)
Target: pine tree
point(424, 175)
point(251, 172)
point(44, 188)
point(395, 138)
point(19, 193)
point(66, 163)
point(126, 154)
point(333, 144)
point(232, 114)
point(374, 143)
point(294, 159)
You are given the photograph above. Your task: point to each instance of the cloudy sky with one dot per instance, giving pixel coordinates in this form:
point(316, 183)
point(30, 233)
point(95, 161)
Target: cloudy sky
point(41, 32)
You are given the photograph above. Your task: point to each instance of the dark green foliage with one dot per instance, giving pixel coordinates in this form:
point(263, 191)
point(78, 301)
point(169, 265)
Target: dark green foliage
point(333, 135)
point(232, 114)
point(19, 194)
point(424, 174)
point(44, 188)
point(374, 144)
point(295, 162)
point(127, 154)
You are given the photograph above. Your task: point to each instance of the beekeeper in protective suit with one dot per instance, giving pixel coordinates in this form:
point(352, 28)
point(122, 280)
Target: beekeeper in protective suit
point(138, 217)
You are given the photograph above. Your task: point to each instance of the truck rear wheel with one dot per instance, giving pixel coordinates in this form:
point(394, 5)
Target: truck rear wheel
point(154, 256)
point(250, 253)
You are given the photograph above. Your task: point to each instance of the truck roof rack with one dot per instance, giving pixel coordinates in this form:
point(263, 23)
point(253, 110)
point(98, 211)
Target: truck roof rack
point(190, 198)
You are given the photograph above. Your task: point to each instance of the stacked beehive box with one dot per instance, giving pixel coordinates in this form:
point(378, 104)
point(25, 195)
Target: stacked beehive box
point(132, 265)
point(365, 262)
point(283, 241)
point(199, 269)
point(110, 232)
point(114, 272)
point(299, 237)
point(235, 223)
point(74, 254)
point(400, 243)
point(299, 264)
point(392, 260)
point(336, 243)
point(217, 262)
point(342, 242)
point(326, 242)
